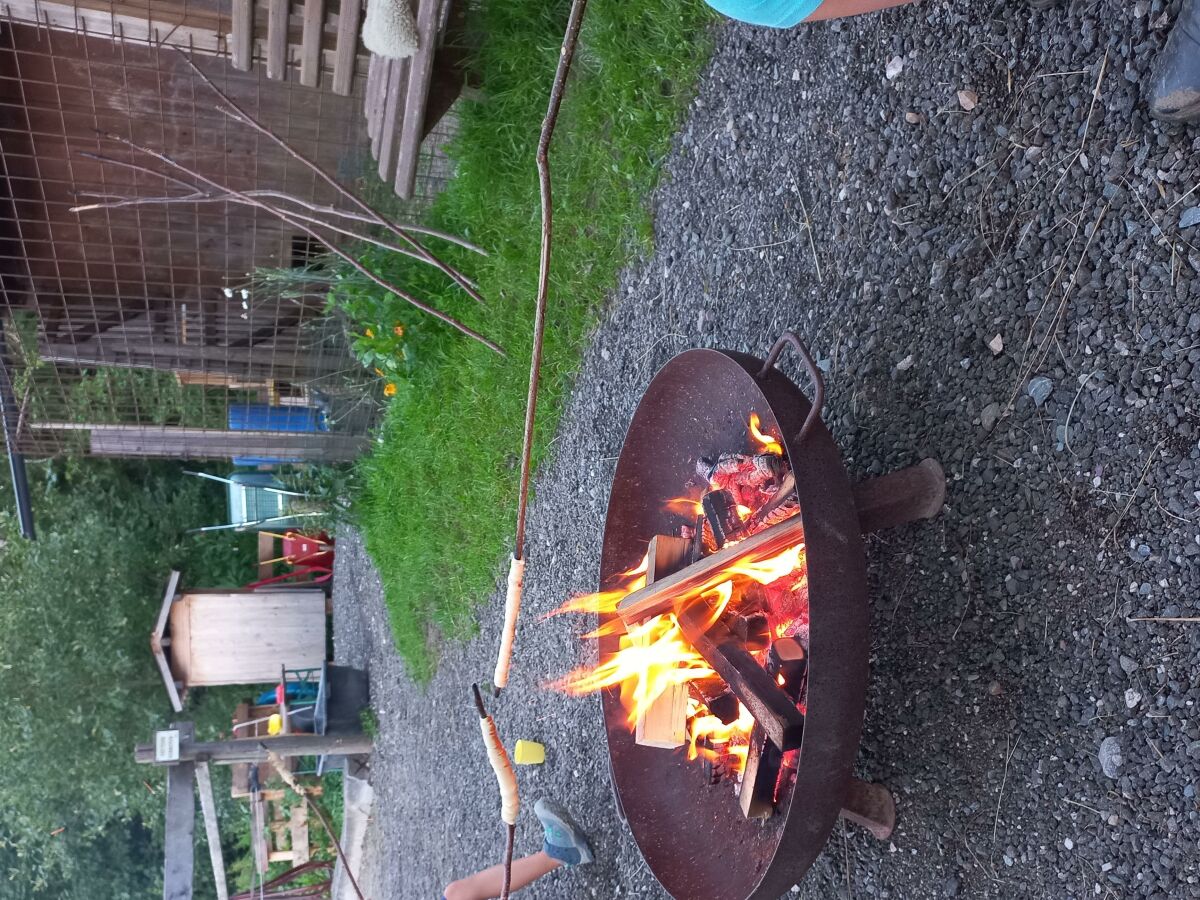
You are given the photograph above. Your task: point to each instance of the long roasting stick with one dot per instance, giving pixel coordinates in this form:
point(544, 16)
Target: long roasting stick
point(664, 595)
point(516, 572)
point(506, 778)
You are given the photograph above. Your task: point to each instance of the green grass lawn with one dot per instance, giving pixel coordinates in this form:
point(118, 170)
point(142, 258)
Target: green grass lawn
point(439, 491)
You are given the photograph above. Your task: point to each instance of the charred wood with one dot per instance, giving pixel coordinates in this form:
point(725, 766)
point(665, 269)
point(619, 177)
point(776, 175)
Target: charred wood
point(766, 701)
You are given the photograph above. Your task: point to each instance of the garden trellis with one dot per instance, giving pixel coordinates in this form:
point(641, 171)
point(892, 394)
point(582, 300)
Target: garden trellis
point(137, 327)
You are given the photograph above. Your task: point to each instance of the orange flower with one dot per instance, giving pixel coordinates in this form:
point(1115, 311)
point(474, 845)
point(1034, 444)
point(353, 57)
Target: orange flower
point(389, 390)
point(398, 331)
point(369, 333)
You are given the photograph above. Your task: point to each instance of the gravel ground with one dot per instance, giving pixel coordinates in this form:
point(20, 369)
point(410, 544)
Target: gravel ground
point(1006, 652)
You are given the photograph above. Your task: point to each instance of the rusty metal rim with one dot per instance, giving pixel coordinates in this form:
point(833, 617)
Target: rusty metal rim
point(711, 383)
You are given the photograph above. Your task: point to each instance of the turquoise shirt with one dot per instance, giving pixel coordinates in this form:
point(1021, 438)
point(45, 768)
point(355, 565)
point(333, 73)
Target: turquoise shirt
point(773, 13)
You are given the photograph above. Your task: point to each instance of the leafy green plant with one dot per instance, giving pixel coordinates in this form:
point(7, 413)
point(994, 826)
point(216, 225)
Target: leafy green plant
point(370, 722)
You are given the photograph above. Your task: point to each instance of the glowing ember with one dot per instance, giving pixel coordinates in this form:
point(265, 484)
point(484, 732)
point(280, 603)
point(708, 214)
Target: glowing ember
point(653, 656)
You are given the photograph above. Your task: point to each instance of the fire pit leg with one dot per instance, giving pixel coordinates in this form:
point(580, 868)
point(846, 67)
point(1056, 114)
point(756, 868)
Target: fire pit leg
point(906, 495)
point(872, 807)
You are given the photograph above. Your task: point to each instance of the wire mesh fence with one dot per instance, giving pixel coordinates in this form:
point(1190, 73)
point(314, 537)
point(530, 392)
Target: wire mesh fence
point(135, 326)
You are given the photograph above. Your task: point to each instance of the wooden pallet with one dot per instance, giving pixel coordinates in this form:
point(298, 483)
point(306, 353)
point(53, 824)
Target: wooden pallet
point(307, 34)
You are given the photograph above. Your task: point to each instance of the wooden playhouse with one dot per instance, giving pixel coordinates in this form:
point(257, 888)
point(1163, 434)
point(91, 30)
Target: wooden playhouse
point(213, 637)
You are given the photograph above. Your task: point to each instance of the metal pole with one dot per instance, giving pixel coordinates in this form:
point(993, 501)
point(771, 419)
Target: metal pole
point(16, 460)
point(259, 487)
point(255, 523)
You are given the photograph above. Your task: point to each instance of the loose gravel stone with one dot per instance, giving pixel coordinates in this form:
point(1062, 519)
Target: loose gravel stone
point(1110, 758)
point(1039, 389)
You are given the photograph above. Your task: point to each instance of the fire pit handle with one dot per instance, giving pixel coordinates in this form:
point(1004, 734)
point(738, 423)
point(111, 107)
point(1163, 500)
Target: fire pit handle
point(789, 337)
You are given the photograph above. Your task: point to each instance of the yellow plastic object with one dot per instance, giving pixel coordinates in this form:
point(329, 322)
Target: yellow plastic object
point(275, 724)
point(529, 753)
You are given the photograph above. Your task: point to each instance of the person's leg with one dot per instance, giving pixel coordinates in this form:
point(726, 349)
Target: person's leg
point(486, 885)
point(563, 845)
point(786, 13)
point(839, 9)
point(1175, 95)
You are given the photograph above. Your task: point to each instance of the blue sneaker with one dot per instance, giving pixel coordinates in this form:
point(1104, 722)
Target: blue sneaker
point(564, 841)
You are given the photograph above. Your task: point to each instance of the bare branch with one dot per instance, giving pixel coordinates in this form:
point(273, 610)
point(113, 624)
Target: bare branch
point(118, 203)
point(234, 111)
point(570, 40)
point(300, 226)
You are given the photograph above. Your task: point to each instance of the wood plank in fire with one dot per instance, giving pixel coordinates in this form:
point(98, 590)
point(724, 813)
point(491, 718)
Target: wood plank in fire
point(663, 595)
point(664, 722)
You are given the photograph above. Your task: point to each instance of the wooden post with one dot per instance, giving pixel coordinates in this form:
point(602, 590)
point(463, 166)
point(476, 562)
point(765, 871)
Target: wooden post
point(346, 55)
point(412, 127)
point(255, 750)
point(282, 362)
point(206, 443)
point(277, 38)
point(209, 807)
point(310, 43)
point(179, 854)
point(241, 41)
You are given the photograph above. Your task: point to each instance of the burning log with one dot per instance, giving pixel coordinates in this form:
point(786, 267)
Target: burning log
point(721, 511)
point(754, 630)
point(788, 659)
point(771, 707)
point(716, 697)
point(664, 722)
point(666, 593)
point(699, 546)
point(763, 763)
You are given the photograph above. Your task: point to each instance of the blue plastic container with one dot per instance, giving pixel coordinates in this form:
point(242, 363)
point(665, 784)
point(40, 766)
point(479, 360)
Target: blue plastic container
point(264, 417)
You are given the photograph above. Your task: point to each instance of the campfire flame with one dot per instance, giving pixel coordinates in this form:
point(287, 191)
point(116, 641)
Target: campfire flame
point(767, 443)
point(684, 506)
point(653, 656)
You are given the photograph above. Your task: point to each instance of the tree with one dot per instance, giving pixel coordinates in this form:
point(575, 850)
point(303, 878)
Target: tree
point(78, 685)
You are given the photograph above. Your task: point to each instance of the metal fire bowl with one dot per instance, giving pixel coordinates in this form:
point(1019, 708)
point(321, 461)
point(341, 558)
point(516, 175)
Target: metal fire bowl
point(692, 835)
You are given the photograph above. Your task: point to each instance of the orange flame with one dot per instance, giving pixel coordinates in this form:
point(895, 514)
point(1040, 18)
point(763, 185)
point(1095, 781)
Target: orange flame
point(605, 602)
point(772, 568)
point(732, 739)
point(653, 656)
point(684, 506)
point(767, 443)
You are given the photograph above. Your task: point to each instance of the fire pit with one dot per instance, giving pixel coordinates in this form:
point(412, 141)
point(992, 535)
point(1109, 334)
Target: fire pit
point(764, 686)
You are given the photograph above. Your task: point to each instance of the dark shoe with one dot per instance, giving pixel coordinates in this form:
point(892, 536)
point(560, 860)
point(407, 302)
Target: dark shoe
point(1175, 96)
